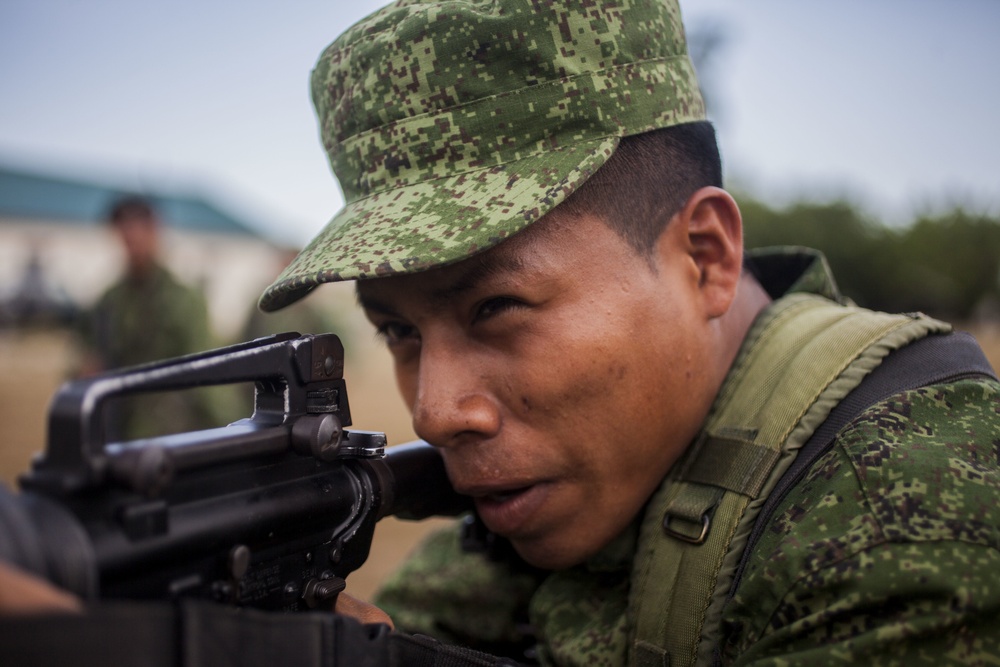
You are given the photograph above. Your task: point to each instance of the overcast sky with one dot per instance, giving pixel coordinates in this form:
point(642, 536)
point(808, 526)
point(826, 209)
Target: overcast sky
point(893, 102)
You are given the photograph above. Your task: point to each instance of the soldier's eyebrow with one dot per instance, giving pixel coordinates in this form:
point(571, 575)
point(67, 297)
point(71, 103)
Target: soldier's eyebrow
point(480, 269)
point(371, 305)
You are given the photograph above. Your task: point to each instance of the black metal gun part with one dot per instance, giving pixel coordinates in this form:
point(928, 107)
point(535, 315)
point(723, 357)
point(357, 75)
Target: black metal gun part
point(272, 512)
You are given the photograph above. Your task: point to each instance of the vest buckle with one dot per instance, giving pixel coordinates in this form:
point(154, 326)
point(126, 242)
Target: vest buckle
point(706, 523)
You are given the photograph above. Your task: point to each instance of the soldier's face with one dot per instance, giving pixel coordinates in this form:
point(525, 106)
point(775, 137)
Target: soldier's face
point(140, 239)
point(560, 373)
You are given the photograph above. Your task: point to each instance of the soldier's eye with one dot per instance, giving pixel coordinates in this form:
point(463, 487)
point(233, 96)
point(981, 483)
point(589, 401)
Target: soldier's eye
point(496, 305)
point(394, 333)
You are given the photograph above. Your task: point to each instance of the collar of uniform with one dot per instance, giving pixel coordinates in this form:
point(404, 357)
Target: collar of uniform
point(787, 269)
point(153, 274)
point(618, 554)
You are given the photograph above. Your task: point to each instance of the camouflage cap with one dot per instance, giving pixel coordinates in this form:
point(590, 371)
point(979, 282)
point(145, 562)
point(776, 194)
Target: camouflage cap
point(453, 124)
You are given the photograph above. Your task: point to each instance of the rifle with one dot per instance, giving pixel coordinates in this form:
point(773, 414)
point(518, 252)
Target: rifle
point(271, 512)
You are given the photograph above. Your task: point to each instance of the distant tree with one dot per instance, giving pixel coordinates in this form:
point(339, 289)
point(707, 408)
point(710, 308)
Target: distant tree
point(953, 262)
point(850, 241)
point(946, 266)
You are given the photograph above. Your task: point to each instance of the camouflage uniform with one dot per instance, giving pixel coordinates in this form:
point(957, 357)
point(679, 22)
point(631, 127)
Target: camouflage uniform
point(451, 126)
point(138, 321)
point(885, 553)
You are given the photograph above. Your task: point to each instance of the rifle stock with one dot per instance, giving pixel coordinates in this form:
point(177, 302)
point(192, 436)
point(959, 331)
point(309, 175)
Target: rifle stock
point(271, 512)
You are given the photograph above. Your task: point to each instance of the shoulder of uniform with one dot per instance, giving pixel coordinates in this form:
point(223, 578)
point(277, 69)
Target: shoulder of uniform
point(928, 461)
point(922, 465)
point(910, 486)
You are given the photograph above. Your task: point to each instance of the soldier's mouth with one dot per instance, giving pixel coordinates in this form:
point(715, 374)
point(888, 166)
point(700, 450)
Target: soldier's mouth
point(506, 511)
point(502, 496)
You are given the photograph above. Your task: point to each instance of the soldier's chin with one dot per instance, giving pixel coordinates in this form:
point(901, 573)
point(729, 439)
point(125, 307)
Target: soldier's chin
point(548, 555)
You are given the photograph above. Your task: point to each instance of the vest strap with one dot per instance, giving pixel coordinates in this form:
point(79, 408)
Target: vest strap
point(928, 361)
point(802, 356)
point(694, 508)
point(732, 464)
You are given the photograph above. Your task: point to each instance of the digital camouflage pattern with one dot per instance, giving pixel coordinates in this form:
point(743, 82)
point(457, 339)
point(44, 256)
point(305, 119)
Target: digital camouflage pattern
point(886, 553)
point(451, 125)
point(890, 548)
point(466, 599)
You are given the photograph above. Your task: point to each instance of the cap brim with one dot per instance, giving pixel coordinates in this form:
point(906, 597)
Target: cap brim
point(437, 222)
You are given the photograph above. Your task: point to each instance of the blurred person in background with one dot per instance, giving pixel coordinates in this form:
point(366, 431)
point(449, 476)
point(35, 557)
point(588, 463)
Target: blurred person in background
point(146, 315)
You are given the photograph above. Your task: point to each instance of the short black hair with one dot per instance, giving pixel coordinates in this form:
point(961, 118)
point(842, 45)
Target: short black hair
point(129, 206)
point(648, 179)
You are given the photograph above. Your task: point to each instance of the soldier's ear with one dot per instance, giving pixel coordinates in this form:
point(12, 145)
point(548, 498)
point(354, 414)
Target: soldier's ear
point(710, 228)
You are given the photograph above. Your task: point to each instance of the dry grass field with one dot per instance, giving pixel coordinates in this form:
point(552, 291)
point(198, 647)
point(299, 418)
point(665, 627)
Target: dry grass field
point(33, 365)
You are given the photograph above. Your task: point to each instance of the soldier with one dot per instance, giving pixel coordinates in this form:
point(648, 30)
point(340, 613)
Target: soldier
point(536, 223)
point(676, 454)
point(146, 315)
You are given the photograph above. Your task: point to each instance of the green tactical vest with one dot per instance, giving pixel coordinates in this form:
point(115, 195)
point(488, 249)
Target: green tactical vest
point(801, 358)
